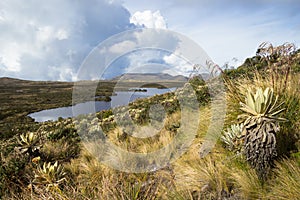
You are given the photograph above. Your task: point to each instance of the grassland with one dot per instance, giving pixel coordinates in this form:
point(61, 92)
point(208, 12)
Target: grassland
point(53, 162)
point(18, 98)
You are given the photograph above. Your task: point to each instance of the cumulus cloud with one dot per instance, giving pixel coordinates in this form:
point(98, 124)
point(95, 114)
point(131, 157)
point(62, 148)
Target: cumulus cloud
point(230, 28)
point(180, 66)
point(134, 51)
point(145, 61)
point(149, 19)
point(49, 40)
point(122, 46)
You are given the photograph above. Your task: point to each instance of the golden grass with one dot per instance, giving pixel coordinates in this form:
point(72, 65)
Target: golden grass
point(215, 176)
point(208, 176)
point(247, 184)
point(287, 181)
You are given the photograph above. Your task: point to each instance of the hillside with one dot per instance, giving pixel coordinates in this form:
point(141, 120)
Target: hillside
point(257, 63)
point(19, 97)
point(245, 145)
point(150, 77)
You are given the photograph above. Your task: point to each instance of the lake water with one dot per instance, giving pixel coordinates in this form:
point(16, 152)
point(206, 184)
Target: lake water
point(120, 99)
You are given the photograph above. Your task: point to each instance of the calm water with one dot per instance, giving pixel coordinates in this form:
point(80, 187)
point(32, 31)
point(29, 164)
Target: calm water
point(120, 99)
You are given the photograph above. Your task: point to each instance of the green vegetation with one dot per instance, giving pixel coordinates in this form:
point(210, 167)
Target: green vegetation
point(261, 126)
point(49, 175)
point(19, 98)
point(232, 137)
point(256, 157)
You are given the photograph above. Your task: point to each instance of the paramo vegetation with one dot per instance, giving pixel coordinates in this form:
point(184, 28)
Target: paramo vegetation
point(257, 155)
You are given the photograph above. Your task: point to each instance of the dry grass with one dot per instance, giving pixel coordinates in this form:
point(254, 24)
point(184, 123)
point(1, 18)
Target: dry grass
point(217, 175)
point(208, 177)
point(287, 181)
point(247, 184)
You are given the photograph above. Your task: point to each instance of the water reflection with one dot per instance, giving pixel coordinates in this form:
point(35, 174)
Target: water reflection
point(120, 99)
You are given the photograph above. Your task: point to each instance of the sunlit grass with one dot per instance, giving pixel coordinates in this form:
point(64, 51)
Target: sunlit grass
point(205, 170)
point(287, 182)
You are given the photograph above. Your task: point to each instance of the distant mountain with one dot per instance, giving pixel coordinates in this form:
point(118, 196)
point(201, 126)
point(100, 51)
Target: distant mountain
point(8, 82)
point(16, 81)
point(155, 77)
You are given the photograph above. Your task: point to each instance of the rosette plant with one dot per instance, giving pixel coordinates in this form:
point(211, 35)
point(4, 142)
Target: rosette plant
point(29, 143)
point(260, 127)
point(50, 175)
point(232, 137)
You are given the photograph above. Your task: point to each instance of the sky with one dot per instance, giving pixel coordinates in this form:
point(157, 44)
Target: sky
point(51, 40)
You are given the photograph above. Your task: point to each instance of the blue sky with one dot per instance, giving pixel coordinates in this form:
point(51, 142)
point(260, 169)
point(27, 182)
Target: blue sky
point(49, 40)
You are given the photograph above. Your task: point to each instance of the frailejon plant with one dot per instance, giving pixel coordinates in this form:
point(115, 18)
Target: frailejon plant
point(232, 137)
point(260, 127)
point(50, 175)
point(29, 144)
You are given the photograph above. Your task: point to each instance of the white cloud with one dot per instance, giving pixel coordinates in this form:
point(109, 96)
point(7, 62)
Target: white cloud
point(62, 34)
point(149, 19)
point(139, 60)
point(63, 73)
point(229, 28)
point(35, 36)
point(48, 33)
point(179, 66)
point(10, 58)
point(122, 46)
point(44, 34)
point(157, 61)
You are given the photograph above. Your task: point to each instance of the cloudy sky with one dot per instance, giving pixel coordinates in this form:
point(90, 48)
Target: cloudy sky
point(49, 40)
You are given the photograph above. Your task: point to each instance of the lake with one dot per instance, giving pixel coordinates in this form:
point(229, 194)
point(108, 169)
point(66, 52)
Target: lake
point(121, 98)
